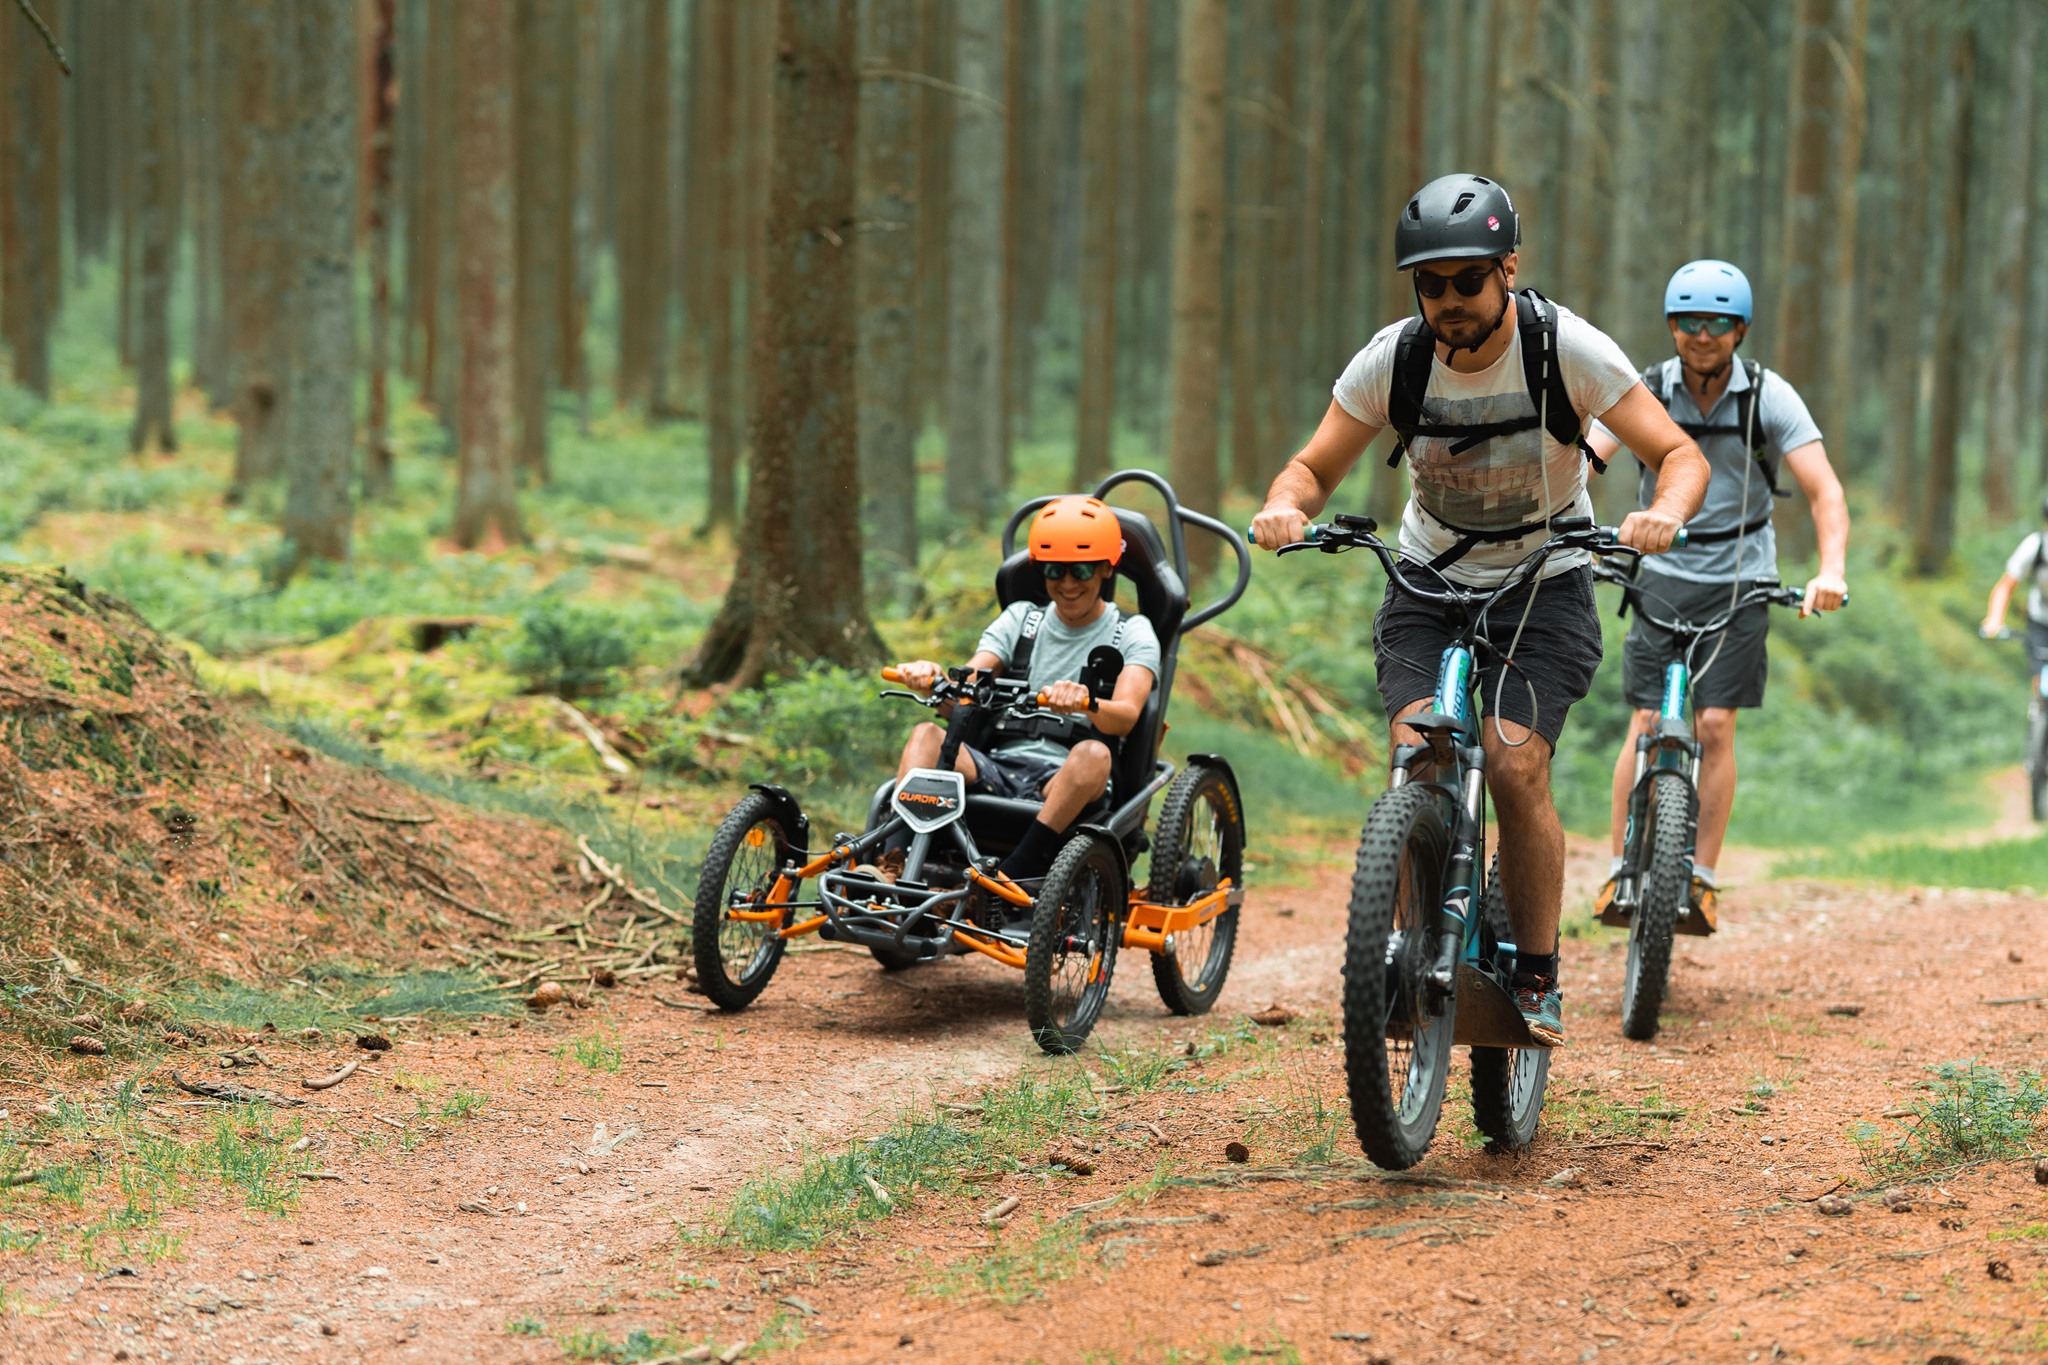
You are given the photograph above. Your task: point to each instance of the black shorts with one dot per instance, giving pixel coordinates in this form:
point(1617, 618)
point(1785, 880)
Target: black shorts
point(1553, 665)
point(1014, 777)
point(2037, 643)
point(1729, 668)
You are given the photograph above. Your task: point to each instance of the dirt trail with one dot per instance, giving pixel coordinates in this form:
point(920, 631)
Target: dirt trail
point(1674, 1242)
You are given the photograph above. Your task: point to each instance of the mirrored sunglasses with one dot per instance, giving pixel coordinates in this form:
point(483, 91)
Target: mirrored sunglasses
point(1713, 324)
point(1081, 572)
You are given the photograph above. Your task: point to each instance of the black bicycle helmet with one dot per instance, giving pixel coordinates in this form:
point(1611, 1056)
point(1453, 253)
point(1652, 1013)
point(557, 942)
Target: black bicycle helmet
point(1456, 217)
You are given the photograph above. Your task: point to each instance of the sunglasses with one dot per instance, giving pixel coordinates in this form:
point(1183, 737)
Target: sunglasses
point(1468, 283)
point(1081, 572)
point(1714, 325)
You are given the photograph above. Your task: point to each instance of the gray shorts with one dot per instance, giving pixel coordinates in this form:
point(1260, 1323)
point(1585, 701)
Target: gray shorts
point(1730, 678)
point(2037, 643)
point(1014, 777)
point(1553, 665)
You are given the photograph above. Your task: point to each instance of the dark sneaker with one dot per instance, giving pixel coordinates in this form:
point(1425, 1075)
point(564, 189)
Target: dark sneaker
point(1542, 1007)
point(1703, 920)
point(1605, 909)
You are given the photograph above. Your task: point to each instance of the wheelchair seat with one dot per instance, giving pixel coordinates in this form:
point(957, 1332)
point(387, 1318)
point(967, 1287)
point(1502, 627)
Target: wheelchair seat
point(1162, 599)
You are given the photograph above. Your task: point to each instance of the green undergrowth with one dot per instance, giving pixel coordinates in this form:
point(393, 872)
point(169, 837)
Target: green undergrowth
point(98, 1175)
point(931, 1148)
point(2000, 864)
point(1969, 1112)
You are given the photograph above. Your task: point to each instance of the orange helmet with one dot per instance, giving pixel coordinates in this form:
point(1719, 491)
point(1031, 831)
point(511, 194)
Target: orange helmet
point(1076, 529)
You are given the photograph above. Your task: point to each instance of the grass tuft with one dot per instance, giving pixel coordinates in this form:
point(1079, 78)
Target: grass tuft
point(1972, 1113)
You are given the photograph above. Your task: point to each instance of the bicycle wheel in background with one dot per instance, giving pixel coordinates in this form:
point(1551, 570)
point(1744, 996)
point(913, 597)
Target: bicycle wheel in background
point(1665, 881)
point(1507, 1082)
point(1397, 1050)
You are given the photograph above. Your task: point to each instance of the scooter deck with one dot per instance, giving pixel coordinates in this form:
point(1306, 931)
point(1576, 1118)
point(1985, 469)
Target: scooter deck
point(1486, 1014)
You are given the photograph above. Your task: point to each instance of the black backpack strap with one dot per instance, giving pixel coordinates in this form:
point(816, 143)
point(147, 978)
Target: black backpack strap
point(1748, 403)
point(1467, 538)
point(1027, 640)
point(1750, 528)
point(1414, 353)
point(1543, 373)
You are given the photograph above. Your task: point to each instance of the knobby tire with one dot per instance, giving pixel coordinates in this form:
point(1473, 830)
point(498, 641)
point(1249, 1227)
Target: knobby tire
point(712, 933)
point(1197, 794)
point(1508, 1083)
point(1665, 882)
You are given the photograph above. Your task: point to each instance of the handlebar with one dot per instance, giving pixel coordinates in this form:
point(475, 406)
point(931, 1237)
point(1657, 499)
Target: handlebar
point(2004, 633)
point(989, 692)
point(1770, 594)
point(1316, 530)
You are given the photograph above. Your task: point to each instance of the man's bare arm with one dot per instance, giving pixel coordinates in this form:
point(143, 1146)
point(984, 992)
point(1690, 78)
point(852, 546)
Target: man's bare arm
point(1305, 485)
point(1644, 425)
point(1809, 464)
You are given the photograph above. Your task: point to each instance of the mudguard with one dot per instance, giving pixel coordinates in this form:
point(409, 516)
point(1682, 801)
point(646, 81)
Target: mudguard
point(1222, 765)
point(1103, 833)
point(791, 814)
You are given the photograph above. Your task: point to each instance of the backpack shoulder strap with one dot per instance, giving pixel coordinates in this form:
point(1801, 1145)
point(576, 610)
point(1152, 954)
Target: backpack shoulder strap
point(1543, 373)
point(1653, 380)
point(1747, 407)
point(1414, 353)
point(1027, 640)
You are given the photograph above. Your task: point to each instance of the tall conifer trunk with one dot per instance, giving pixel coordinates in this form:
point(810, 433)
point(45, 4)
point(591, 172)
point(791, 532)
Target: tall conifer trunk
point(974, 322)
point(1196, 356)
point(153, 46)
point(486, 502)
point(1934, 538)
point(1102, 190)
point(889, 105)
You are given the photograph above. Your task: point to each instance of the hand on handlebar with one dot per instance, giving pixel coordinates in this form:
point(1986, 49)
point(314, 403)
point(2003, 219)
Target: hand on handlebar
point(920, 675)
point(1066, 696)
point(1824, 592)
point(1650, 531)
point(1278, 524)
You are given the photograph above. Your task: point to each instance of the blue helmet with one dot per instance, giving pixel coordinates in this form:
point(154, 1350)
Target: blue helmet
point(1708, 287)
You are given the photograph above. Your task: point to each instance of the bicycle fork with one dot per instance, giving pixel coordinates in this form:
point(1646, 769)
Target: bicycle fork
point(1667, 746)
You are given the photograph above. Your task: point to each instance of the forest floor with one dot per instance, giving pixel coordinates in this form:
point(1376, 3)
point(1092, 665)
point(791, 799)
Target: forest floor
point(1668, 1210)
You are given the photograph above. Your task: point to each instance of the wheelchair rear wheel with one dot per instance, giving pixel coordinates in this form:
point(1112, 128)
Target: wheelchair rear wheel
point(1200, 842)
point(1076, 926)
point(735, 957)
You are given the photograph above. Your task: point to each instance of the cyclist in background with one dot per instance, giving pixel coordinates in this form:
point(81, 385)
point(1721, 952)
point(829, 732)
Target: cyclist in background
point(2028, 565)
point(1752, 427)
point(1488, 391)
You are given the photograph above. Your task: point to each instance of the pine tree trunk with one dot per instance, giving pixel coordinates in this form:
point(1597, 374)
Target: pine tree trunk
point(889, 107)
point(1280, 267)
point(1102, 192)
point(726, 214)
point(1904, 289)
point(1196, 355)
point(1844, 316)
point(417, 153)
point(320, 436)
point(540, 172)
point(152, 34)
point(798, 595)
point(1582, 230)
point(2004, 424)
point(1251, 170)
point(443, 94)
point(935, 195)
point(1521, 135)
point(1401, 175)
point(486, 502)
point(1308, 324)
point(1797, 338)
point(579, 274)
point(87, 167)
point(202, 134)
point(974, 321)
point(383, 59)
point(30, 194)
point(256, 218)
point(1934, 540)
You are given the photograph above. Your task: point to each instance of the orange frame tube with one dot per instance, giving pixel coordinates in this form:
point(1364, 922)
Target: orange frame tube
point(1147, 925)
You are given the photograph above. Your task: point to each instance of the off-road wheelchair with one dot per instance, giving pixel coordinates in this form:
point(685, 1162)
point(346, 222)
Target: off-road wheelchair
point(1064, 930)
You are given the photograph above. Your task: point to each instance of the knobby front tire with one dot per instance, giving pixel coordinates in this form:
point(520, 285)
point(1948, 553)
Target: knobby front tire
point(735, 958)
point(1665, 883)
point(2037, 759)
point(1396, 1052)
point(1200, 841)
point(1508, 1083)
point(1076, 925)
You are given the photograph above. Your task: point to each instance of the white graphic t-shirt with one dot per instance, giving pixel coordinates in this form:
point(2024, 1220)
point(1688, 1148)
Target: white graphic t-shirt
point(1499, 483)
point(2029, 564)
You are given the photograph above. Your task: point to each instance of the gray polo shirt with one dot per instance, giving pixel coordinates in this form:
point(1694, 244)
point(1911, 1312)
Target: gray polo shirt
point(1783, 423)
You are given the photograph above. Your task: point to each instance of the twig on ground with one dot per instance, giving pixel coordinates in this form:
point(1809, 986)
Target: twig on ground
point(392, 817)
point(680, 1004)
point(617, 878)
point(329, 1082)
point(612, 759)
point(27, 1177)
point(460, 904)
point(2016, 1000)
point(235, 1094)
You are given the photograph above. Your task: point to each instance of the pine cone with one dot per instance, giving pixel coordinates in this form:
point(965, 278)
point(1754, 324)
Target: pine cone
point(174, 1039)
point(90, 1022)
point(88, 1046)
point(135, 1012)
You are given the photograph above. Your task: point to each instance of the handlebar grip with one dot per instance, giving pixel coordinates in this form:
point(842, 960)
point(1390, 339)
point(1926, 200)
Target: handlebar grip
point(1678, 541)
point(892, 674)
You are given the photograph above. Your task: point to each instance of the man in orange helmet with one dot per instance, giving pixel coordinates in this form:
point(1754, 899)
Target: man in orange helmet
point(1076, 543)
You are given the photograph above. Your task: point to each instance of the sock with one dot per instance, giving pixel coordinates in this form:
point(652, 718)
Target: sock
point(1034, 852)
point(1705, 874)
point(1536, 964)
point(1614, 868)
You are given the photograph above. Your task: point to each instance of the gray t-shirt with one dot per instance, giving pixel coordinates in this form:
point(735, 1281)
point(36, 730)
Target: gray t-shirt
point(2030, 566)
point(1783, 423)
point(1061, 654)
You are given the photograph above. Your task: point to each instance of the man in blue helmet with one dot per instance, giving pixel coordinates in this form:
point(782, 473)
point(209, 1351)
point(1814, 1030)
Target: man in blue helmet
point(1753, 428)
point(1494, 439)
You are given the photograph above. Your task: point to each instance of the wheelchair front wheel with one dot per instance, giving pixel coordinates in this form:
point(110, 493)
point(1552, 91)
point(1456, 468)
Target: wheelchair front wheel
point(1200, 842)
point(735, 957)
point(1076, 925)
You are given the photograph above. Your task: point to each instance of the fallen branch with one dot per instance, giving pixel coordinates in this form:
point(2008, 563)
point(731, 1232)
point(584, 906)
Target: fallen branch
point(491, 916)
point(612, 759)
point(1596, 1146)
point(391, 817)
point(617, 878)
point(2016, 999)
point(234, 1094)
point(316, 1175)
point(49, 39)
point(680, 1004)
point(329, 1082)
point(21, 1178)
